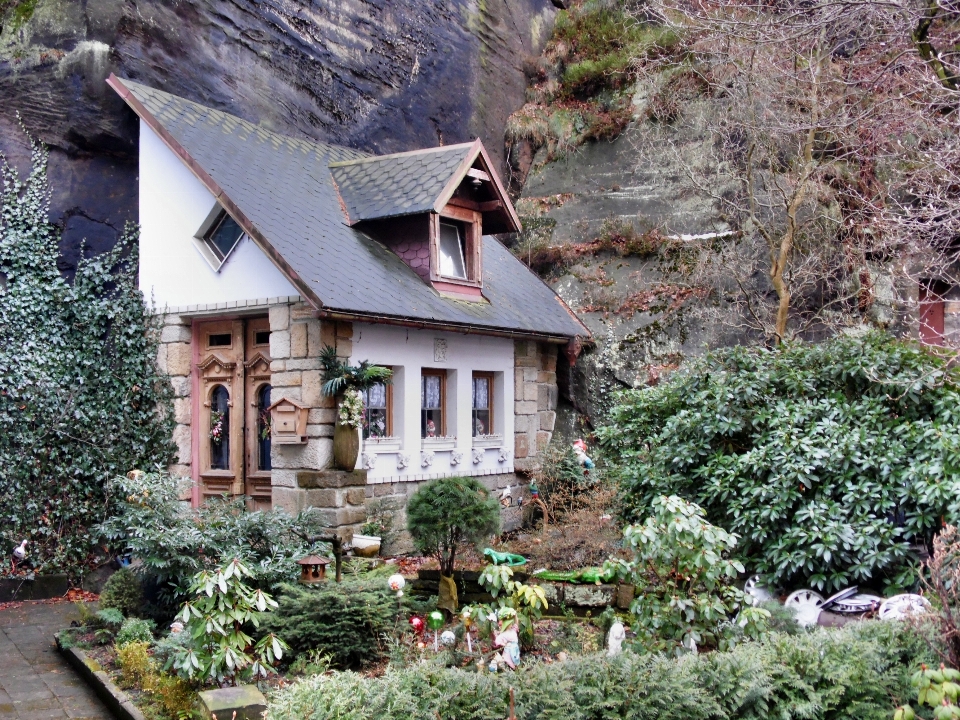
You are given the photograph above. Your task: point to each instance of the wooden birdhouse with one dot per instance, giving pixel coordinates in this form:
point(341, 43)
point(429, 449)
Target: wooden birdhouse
point(313, 569)
point(288, 422)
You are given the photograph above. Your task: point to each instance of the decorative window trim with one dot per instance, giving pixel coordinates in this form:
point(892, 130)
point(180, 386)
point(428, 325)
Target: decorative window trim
point(382, 444)
point(491, 402)
point(439, 443)
point(442, 374)
point(389, 412)
point(488, 441)
point(200, 241)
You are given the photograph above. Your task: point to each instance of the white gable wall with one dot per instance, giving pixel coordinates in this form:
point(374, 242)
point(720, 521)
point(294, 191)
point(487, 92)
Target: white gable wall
point(408, 351)
point(173, 273)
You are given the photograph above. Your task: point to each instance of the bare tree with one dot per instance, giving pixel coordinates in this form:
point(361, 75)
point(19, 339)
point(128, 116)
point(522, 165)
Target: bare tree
point(832, 151)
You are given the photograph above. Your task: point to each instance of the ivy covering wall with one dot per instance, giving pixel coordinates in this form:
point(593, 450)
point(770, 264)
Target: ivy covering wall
point(81, 399)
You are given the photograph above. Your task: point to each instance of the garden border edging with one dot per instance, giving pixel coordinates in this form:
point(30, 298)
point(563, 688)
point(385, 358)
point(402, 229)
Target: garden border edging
point(113, 697)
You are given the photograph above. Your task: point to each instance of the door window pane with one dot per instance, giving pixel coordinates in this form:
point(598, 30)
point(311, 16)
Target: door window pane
point(451, 252)
point(264, 428)
point(375, 411)
point(482, 388)
point(220, 428)
point(431, 406)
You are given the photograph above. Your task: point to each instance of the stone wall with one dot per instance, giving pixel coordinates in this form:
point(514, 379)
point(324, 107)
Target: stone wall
point(296, 340)
point(175, 359)
point(535, 400)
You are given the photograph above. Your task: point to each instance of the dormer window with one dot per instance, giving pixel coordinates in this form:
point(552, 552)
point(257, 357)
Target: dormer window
point(455, 251)
point(217, 237)
point(452, 264)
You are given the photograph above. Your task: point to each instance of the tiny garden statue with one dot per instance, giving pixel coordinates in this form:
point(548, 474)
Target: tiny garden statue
point(507, 637)
point(347, 383)
point(442, 517)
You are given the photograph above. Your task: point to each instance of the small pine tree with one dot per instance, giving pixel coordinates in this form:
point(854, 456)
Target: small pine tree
point(81, 398)
point(446, 514)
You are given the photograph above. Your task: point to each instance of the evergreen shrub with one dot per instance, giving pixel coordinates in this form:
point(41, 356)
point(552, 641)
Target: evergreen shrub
point(861, 671)
point(81, 398)
point(343, 621)
point(828, 460)
point(174, 542)
point(122, 591)
point(134, 630)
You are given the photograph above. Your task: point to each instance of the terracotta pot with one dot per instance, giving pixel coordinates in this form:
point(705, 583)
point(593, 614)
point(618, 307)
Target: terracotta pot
point(346, 447)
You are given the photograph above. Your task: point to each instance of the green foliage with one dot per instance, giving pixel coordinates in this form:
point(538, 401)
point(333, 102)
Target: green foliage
point(685, 592)
point(603, 40)
point(122, 591)
point(134, 630)
point(529, 601)
point(134, 662)
point(937, 689)
point(82, 399)
point(853, 672)
point(223, 609)
point(174, 542)
point(447, 513)
point(343, 621)
point(827, 460)
point(340, 376)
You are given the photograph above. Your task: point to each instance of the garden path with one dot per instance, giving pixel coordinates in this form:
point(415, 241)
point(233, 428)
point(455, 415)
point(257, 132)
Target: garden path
point(35, 681)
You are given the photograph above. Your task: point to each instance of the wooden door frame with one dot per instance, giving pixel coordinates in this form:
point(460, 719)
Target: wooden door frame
point(196, 493)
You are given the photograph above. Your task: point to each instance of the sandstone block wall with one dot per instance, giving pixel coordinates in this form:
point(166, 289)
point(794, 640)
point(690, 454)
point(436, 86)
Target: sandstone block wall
point(535, 400)
point(296, 341)
point(175, 359)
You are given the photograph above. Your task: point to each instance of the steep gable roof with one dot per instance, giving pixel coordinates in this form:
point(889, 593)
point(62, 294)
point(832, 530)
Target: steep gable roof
point(281, 192)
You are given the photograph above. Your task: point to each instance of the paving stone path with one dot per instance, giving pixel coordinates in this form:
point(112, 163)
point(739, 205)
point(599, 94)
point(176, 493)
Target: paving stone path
point(35, 681)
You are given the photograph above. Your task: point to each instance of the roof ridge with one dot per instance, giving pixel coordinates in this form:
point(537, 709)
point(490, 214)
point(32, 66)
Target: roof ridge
point(407, 153)
point(221, 115)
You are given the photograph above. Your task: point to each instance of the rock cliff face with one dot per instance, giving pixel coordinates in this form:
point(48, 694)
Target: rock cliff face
point(384, 75)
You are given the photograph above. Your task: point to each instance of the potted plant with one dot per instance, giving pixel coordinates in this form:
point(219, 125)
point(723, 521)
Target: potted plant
point(346, 382)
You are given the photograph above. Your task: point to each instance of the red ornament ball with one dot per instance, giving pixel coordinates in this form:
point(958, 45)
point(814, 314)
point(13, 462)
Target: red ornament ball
point(416, 622)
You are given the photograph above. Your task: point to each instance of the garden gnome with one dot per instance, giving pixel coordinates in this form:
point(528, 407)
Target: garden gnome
point(615, 639)
point(507, 638)
point(580, 450)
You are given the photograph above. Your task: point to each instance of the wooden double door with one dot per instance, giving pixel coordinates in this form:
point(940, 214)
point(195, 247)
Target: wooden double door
point(232, 430)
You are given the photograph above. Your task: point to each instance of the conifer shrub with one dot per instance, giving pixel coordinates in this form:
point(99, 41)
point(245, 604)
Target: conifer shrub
point(122, 591)
point(445, 515)
point(81, 398)
point(830, 461)
point(861, 671)
point(344, 622)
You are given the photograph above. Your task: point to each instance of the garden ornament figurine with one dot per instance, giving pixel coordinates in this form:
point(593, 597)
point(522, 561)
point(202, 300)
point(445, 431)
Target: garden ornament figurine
point(615, 639)
point(435, 622)
point(467, 616)
point(580, 450)
point(19, 554)
point(507, 637)
point(502, 558)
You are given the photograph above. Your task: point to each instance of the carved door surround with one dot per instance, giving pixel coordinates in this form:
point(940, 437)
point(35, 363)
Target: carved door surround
point(232, 381)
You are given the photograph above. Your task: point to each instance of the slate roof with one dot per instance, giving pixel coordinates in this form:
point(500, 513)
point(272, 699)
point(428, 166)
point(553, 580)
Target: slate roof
point(283, 188)
point(387, 186)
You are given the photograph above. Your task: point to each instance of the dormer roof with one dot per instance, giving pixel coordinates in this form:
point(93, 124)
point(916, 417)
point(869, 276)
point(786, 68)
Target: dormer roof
point(281, 191)
point(420, 181)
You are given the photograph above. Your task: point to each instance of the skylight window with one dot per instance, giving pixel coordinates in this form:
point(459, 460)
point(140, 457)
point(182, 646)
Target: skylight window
point(217, 237)
point(451, 252)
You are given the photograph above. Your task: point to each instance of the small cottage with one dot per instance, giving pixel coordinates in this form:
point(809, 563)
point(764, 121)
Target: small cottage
point(259, 250)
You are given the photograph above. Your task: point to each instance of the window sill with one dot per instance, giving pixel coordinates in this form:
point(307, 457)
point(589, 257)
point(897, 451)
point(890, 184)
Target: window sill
point(488, 441)
point(382, 444)
point(439, 443)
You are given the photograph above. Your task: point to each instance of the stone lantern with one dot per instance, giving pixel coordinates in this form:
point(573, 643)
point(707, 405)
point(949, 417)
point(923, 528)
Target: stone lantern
point(313, 569)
